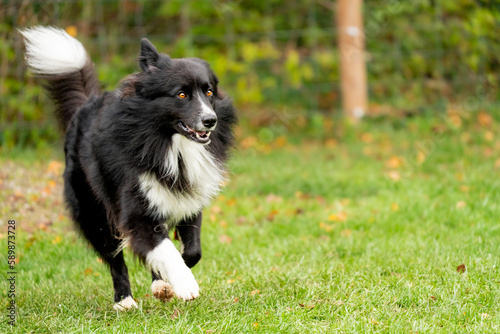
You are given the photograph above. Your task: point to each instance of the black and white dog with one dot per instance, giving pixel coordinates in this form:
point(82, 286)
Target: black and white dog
point(140, 160)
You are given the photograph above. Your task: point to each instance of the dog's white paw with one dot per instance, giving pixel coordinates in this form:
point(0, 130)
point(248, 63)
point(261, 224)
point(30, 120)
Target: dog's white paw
point(166, 260)
point(162, 290)
point(185, 286)
point(125, 304)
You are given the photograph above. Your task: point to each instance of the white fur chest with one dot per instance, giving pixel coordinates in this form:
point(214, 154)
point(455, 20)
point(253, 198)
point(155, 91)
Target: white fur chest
point(201, 170)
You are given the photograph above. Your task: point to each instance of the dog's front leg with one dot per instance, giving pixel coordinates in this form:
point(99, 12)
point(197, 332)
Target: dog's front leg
point(165, 260)
point(151, 244)
point(188, 232)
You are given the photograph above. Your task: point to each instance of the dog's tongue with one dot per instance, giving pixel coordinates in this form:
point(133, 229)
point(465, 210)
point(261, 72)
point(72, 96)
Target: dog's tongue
point(201, 133)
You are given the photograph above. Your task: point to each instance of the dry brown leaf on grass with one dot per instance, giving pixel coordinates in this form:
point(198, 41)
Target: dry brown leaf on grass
point(394, 162)
point(254, 292)
point(55, 168)
point(271, 215)
point(307, 306)
point(394, 175)
point(489, 136)
point(326, 227)
point(346, 233)
point(175, 314)
point(224, 239)
point(272, 198)
point(461, 269)
point(367, 138)
point(484, 119)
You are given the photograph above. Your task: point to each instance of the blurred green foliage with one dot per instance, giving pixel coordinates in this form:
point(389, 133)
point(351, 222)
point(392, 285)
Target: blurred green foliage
point(273, 57)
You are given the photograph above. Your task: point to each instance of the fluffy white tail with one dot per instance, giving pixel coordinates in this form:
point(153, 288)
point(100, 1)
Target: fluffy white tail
point(63, 63)
point(52, 51)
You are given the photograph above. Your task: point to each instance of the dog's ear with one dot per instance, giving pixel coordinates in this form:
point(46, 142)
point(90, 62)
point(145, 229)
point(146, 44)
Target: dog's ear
point(149, 58)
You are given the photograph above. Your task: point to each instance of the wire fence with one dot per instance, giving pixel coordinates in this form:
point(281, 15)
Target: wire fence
point(269, 55)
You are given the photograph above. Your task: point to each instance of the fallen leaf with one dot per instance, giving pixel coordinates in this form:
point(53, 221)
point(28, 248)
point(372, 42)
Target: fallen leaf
point(241, 220)
point(175, 315)
point(254, 292)
point(87, 271)
point(331, 143)
point(321, 200)
point(272, 198)
point(216, 209)
point(326, 227)
point(298, 211)
point(235, 300)
point(366, 138)
point(248, 142)
point(56, 240)
point(394, 207)
point(271, 215)
point(394, 162)
point(333, 217)
point(306, 306)
point(484, 119)
point(231, 202)
point(346, 233)
point(224, 239)
point(229, 281)
point(280, 141)
point(461, 269)
point(420, 157)
point(71, 30)
point(461, 204)
point(394, 175)
point(54, 167)
point(489, 136)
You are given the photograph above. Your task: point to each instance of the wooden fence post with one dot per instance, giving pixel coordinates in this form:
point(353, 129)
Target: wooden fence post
point(351, 43)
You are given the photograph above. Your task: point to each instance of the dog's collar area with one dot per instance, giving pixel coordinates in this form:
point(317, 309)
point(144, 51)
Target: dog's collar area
point(202, 137)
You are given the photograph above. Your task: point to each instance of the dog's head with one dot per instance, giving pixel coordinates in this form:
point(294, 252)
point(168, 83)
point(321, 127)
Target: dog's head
point(179, 93)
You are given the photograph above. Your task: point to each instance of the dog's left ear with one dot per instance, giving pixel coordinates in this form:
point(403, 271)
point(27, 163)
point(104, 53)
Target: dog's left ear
point(149, 58)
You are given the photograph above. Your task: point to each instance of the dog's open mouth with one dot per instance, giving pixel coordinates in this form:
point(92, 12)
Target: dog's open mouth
point(202, 137)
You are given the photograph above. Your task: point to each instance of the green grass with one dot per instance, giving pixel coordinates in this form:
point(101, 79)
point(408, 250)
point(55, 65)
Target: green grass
point(361, 234)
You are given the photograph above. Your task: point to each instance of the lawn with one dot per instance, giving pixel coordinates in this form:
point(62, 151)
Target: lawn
point(388, 227)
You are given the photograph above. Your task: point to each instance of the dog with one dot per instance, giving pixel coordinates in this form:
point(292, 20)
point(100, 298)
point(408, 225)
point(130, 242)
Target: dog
point(141, 160)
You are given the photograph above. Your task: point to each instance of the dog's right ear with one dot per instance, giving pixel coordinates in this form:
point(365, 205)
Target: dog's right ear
point(149, 58)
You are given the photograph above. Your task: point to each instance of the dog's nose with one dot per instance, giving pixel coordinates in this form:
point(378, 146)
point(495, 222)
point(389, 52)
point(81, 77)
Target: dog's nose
point(209, 121)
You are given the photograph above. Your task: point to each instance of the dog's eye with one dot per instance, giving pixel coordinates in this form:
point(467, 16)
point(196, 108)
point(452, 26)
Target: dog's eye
point(182, 95)
point(210, 92)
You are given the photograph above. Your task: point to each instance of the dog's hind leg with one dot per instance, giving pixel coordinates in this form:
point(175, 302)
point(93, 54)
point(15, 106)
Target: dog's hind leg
point(90, 216)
